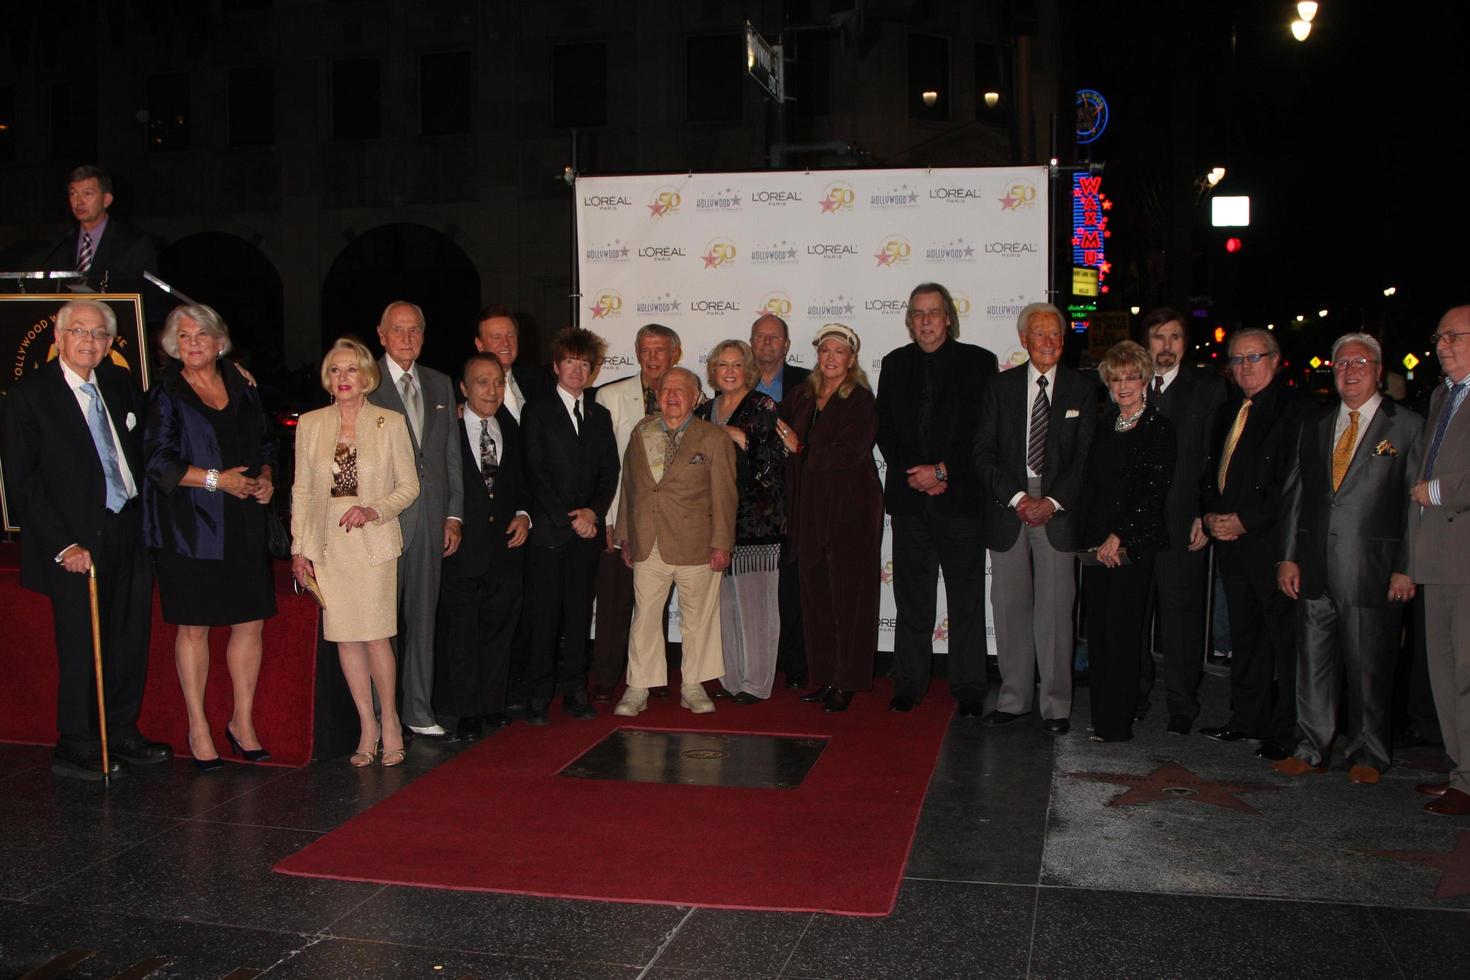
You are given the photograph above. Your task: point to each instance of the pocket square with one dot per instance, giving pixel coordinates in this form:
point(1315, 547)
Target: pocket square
point(698, 458)
point(1072, 413)
point(131, 421)
point(1385, 448)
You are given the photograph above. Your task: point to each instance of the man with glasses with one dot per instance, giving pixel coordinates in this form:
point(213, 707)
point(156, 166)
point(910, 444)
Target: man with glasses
point(1253, 447)
point(927, 410)
point(1441, 532)
point(73, 469)
point(1346, 560)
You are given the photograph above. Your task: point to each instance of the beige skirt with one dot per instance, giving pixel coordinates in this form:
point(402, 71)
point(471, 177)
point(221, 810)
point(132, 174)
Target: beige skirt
point(362, 599)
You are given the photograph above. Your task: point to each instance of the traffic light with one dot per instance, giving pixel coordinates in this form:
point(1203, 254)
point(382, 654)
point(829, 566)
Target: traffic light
point(1219, 335)
point(1232, 245)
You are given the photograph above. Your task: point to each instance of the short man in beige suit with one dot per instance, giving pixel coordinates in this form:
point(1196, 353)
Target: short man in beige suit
point(1442, 539)
point(676, 526)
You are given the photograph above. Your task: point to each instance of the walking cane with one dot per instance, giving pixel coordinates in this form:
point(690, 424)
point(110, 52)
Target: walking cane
point(97, 663)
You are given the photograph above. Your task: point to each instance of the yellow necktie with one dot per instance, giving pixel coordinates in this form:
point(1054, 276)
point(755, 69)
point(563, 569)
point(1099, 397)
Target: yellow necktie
point(1342, 454)
point(1230, 441)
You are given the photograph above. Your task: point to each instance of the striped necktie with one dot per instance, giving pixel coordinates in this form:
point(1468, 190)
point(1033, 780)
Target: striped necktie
point(85, 255)
point(1040, 418)
point(1451, 405)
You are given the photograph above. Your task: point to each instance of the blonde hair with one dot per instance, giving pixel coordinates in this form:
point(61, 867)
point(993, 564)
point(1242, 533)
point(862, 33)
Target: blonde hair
point(747, 361)
point(1120, 357)
point(367, 367)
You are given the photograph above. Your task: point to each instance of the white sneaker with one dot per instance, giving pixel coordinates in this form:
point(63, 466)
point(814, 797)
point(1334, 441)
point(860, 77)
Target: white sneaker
point(693, 697)
point(432, 731)
point(634, 700)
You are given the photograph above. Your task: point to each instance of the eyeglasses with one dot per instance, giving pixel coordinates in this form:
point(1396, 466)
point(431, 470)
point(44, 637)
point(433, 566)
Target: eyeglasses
point(81, 333)
point(1238, 359)
point(1451, 336)
point(925, 315)
point(1351, 362)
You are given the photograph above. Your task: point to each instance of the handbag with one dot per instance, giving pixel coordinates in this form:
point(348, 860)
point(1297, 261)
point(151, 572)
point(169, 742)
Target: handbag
point(277, 539)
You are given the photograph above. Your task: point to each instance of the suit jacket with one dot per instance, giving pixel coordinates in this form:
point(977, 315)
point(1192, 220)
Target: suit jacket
point(566, 470)
point(52, 471)
point(791, 378)
point(965, 369)
point(623, 400)
point(691, 508)
point(121, 256)
point(387, 480)
point(1258, 468)
point(1442, 534)
point(1192, 403)
point(488, 513)
point(533, 381)
point(436, 456)
point(1000, 454)
point(836, 501)
point(1349, 542)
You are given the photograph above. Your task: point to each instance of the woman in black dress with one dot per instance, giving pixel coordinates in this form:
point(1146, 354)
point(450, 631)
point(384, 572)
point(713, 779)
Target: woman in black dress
point(208, 485)
point(1129, 470)
point(750, 623)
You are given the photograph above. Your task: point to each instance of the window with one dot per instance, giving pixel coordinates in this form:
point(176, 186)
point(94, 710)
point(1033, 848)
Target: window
point(928, 94)
point(357, 100)
point(74, 120)
point(989, 77)
point(579, 85)
point(252, 106)
point(446, 93)
point(168, 112)
point(714, 78)
point(810, 76)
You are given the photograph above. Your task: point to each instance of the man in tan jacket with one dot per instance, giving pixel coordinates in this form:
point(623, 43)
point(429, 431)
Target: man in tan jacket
point(676, 526)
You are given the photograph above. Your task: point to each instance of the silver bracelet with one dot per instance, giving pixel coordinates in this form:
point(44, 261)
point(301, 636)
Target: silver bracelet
point(211, 480)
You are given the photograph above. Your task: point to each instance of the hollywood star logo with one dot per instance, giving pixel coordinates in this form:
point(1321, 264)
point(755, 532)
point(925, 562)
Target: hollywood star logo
point(778, 304)
point(941, 632)
point(608, 304)
point(778, 253)
point(833, 309)
point(655, 305)
point(958, 250)
point(720, 252)
point(893, 251)
point(1021, 194)
point(1171, 781)
point(613, 251)
point(725, 200)
point(665, 202)
point(900, 197)
point(839, 197)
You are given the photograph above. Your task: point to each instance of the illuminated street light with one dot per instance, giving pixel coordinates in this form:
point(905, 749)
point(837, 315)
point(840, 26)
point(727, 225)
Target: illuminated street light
point(1390, 290)
point(1321, 314)
point(1306, 10)
point(1300, 29)
point(930, 97)
point(1134, 310)
point(1300, 317)
point(992, 99)
point(1215, 175)
point(1270, 326)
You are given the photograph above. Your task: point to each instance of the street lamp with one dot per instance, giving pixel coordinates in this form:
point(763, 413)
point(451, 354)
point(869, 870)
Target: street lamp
point(992, 99)
point(1390, 290)
point(1321, 314)
point(1306, 10)
point(1134, 310)
point(1300, 29)
point(930, 97)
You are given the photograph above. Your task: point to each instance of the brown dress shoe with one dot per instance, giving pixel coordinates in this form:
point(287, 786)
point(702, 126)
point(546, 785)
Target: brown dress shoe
point(1364, 775)
point(1453, 803)
point(1292, 766)
point(1435, 790)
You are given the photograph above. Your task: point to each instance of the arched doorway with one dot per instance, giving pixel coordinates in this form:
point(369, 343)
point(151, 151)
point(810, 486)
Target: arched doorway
point(233, 276)
point(410, 262)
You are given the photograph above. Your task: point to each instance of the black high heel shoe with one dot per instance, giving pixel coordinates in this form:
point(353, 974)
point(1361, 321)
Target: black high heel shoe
point(820, 694)
point(249, 755)
point(837, 700)
point(209, 765)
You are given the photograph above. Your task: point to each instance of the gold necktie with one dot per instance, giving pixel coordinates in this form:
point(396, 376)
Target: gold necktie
point(1342, 454)
point(1230, 441)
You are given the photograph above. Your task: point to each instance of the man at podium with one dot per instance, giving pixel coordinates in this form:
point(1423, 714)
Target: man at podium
point(111, 254)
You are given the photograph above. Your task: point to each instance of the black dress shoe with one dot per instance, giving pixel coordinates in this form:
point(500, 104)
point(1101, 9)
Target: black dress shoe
point(1271, 749)
point(745, 697)
point(795, 682)
point(139, 751)
point(818, 694)
point(902, 702)
point(661, 692)
point(85, 765)
point(1056, 726)
point(836, 700)
point(494, 721)
point(577, 706)
point(998, 717)
point(1224, 734)
point(971, 707)
point(536, 713)
point(468, 728)
point(1178, 725)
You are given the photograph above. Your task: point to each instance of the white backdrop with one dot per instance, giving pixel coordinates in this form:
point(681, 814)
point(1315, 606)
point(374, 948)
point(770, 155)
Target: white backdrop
point(705, 254)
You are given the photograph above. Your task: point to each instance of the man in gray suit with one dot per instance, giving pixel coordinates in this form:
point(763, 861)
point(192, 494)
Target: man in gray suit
point(431, 525)
point(1345, 514)
point(1441, 541)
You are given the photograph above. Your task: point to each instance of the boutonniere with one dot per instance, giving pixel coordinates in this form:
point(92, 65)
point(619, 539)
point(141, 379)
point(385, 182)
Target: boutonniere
point(698, 458)
point(1385, 448)
point(382, 421)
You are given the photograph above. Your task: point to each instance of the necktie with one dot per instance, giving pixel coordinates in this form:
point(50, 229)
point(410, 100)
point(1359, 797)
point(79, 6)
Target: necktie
point(671, 446)
point(1342, 453)
point(84, 256)
point(1040, 418)
point(489, 461)
point(1452, 404)
point(650, 401)
point(1158, 387)
point(577, 415)
point(413, 405)
point(1230, 440)
point(117, 492)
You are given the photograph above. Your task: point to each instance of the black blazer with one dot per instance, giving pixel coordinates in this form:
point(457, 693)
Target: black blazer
point(1258, 468)
point(1191, 403)
point(792, 377)
point(52, 471)
point(487, 514)
point(122, 256)
point(1000, 454)
point(567, 471)
point(534, 381)
point(952, 436)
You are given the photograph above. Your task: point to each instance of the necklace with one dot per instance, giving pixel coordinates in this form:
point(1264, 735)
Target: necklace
point(1123, 424)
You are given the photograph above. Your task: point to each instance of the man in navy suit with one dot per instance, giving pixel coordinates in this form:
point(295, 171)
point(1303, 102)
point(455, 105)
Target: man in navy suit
point(73, 466)
point(111, 253)
point(480, 597)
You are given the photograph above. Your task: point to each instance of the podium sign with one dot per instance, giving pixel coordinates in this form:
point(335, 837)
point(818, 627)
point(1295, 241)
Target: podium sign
point(28, 340)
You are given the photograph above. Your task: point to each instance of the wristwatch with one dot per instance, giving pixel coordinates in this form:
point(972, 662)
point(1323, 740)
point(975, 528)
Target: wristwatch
point(940, 473)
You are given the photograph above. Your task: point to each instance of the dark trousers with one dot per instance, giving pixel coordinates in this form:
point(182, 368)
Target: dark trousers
point(1180, 579)
point(560, 593)
point(923, 544)
point(614, 618)
point(1345, 646)
point(1264, 649)
point(476, 626)
point(791, 646)
point(840, 614)
point(1413, 698)
point(1117, 600)
point(125, 610)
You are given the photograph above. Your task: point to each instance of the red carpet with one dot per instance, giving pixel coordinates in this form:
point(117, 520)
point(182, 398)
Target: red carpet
point(499, 818)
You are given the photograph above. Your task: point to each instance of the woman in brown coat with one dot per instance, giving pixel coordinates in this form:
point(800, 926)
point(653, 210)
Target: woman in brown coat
point(829, 425)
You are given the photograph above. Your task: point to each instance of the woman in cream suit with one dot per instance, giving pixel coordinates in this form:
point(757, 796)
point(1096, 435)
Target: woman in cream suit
point(354, 474)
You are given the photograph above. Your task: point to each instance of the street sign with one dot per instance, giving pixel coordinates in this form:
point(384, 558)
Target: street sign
point(763, 63)
point(1410, 361)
